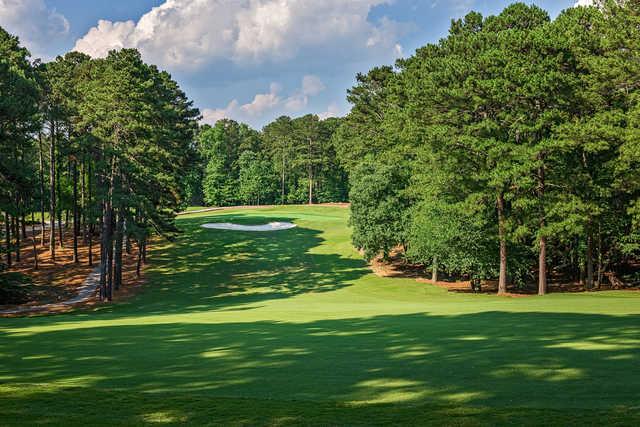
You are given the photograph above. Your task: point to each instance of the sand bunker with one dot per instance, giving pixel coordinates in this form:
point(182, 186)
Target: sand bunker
point(272, 226)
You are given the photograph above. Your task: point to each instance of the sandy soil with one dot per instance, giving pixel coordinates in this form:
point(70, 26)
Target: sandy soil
point(272, 226)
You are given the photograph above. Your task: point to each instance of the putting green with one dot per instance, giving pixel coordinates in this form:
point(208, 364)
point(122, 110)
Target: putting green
point(291, 327)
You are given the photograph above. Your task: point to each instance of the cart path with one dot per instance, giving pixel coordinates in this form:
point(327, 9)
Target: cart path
point(86, 292)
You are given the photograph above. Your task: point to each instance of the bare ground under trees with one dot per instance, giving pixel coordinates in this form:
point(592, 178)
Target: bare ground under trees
point(397, 266)
point(59, 281)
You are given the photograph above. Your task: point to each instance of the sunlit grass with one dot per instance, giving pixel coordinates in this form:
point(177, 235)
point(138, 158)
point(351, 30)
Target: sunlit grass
point(291, 327)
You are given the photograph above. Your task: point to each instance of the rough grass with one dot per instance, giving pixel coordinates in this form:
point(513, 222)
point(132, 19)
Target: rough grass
point(291, 328)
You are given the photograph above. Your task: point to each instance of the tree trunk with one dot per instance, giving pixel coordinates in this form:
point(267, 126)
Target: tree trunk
point(589, 284)
point(144, 250)
point(434, 270)
point(91, 225)
point(83, 201)
point(106, 251)
point(7, 237)
point(16, 235)
point(41, 174)
point(127, 239)
point(600, 266)
point(105, 241)
point(24, 227)
point(283, 177)
point(52, 194)
point(33, 240)
point(542, 267)
point(90, 238)
point(502, 282)
point(118, 254)
point(542, 260)
point(103, 258)
point(60, 230)
point(76, 225)
point(109, 255)
point(59, 210)
point(139, 260)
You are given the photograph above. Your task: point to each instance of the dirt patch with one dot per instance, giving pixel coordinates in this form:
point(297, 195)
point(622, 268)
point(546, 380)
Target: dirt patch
point(60, 281)
point(397, 266)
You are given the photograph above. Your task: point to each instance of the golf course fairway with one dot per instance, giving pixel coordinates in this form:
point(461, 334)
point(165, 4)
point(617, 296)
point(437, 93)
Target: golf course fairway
point(291, 328)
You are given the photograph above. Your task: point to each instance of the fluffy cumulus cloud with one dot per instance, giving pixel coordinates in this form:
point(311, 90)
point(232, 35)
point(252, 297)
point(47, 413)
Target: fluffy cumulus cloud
point(40, 28)
point(272, 103)
point(332, 111)
point(245, 44)
point(312, 85)
point(189, 34)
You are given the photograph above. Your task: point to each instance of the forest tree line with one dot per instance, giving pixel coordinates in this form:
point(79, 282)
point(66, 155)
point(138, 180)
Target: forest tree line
point(291, 161)
point(508, 150)
point(100, 146)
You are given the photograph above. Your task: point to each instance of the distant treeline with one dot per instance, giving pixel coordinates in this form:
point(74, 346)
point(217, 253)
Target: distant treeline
point(290, 161)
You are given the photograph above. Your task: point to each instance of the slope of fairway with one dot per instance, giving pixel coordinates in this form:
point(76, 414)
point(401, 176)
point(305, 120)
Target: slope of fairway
point(291, 327)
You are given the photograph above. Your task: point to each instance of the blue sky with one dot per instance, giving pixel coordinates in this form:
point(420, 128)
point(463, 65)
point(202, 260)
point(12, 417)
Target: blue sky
point(251, 60)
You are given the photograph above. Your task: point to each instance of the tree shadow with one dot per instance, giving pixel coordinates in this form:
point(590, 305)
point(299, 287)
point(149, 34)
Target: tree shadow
point(491, 359)
point(400, 368)
point(215, 269)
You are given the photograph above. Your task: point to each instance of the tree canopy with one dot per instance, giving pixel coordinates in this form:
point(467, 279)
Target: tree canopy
point(512, 138)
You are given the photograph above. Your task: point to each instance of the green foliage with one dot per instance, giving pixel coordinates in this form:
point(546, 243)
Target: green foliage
point(457, 236)
point(145, 125)
point(516, 132)
point(295, 162)
point(115, 136)
point(379, 214)
point(221, 148)
point(18, 118)
point(256, 179)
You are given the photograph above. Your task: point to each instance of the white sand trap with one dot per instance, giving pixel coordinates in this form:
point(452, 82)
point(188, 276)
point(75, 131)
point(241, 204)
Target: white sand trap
point(272, 226)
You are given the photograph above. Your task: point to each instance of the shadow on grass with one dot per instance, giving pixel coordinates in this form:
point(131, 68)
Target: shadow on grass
point(491, 359)
point(478, 368)
point(216, 269)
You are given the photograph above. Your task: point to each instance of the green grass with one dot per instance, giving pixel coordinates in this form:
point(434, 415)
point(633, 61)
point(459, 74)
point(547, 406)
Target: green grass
point(195, 208)
point(291, 327)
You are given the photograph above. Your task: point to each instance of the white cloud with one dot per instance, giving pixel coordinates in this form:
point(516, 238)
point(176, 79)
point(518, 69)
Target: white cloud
point(312, 85)
point(263, 102)
point(398, 51)
point(38, 26)
point(268, 103)
point(584, 3)
point(111, 35)
point(211, 116)
point(332, 111)
point(296, 102)
point(188, 34)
